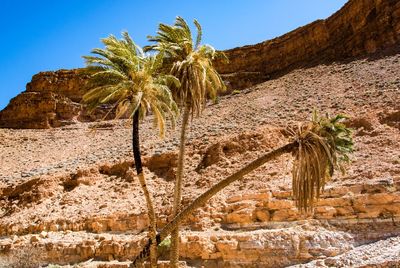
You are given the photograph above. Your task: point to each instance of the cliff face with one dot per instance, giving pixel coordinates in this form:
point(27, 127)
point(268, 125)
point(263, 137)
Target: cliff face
point(51, 99)
point(361, 27)
point(69, 83)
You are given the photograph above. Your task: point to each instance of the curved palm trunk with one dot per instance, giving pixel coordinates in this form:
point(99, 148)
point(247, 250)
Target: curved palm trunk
point(142, 180)
point(174, 254)
point(202, 199)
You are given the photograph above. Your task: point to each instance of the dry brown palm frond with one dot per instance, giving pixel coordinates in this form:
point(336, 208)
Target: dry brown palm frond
point(322, 144)
point(310, 168)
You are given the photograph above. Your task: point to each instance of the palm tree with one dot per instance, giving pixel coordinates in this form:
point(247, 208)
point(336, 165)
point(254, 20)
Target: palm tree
point(191, 63)
point(319, 147)
point(125, 77)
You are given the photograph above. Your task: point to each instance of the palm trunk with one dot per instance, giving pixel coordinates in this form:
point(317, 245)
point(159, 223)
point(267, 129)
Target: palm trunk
point(174, 254)
point(142, 180)
point(202, 199)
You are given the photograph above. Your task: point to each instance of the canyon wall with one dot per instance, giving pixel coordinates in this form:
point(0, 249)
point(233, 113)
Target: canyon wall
point(360, 28)
point(51, 99)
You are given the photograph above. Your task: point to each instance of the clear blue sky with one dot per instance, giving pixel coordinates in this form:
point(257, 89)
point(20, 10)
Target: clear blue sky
point(49, 35)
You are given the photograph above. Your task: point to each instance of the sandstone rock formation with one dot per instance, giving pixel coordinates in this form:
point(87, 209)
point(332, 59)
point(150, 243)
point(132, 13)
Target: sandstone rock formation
point(51, 99)
point(361, 27)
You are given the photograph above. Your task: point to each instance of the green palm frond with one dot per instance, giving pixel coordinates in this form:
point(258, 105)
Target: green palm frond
point(190, 62)
point(324, 144)
point(199, 34)
point(127, 78)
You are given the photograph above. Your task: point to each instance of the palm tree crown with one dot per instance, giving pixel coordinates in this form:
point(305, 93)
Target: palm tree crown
point(125, 76)
point(190, 62)
point(323, 146)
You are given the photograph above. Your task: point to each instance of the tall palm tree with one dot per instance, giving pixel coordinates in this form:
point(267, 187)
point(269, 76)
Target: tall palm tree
point(191, 63)
point(319, 147)
point(125, 77)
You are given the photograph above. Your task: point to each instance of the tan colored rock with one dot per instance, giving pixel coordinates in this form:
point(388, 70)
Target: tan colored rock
point(69, 83)
point(370, 212)
point(240, 216)
point(335, 202)
point(346, 211)
point(38, 110)
point(281, 194)
point(250, 197)
point(324, 212)
point(234, 199)
point(76, 205)
point(34, 239)
point(43, 234)
point(262, 215)
point(374, 199)
point(226, 247)
point(51, 99)
point(286, 215)
point(277, 204)
point(352, 31)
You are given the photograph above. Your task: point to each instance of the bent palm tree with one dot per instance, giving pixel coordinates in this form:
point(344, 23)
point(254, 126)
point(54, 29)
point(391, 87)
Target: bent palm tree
point(191, 63)
point(319, 147)
point(128, 79)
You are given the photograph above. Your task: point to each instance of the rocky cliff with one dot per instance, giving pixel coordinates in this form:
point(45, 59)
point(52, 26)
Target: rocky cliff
point(361, 27)
point(51, 99)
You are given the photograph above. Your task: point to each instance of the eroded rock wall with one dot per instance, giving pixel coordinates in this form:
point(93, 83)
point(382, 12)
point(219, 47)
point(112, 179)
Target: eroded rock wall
point(51, 99)
point(361, 27)
point(69, 83)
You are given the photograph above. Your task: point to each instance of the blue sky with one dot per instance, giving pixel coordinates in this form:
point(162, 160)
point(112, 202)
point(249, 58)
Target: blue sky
point(49, 35)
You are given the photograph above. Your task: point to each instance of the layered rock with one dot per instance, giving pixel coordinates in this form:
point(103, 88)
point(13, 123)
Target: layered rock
point(51, 99)
point(361, 27)
point(344, 218)
point(211, 249)
point(259, 227)
point(38, 110)
point(69, 83)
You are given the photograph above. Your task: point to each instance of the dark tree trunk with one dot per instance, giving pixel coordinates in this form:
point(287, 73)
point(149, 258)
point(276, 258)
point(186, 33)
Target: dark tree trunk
point(142, 180)
point(135, 143)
